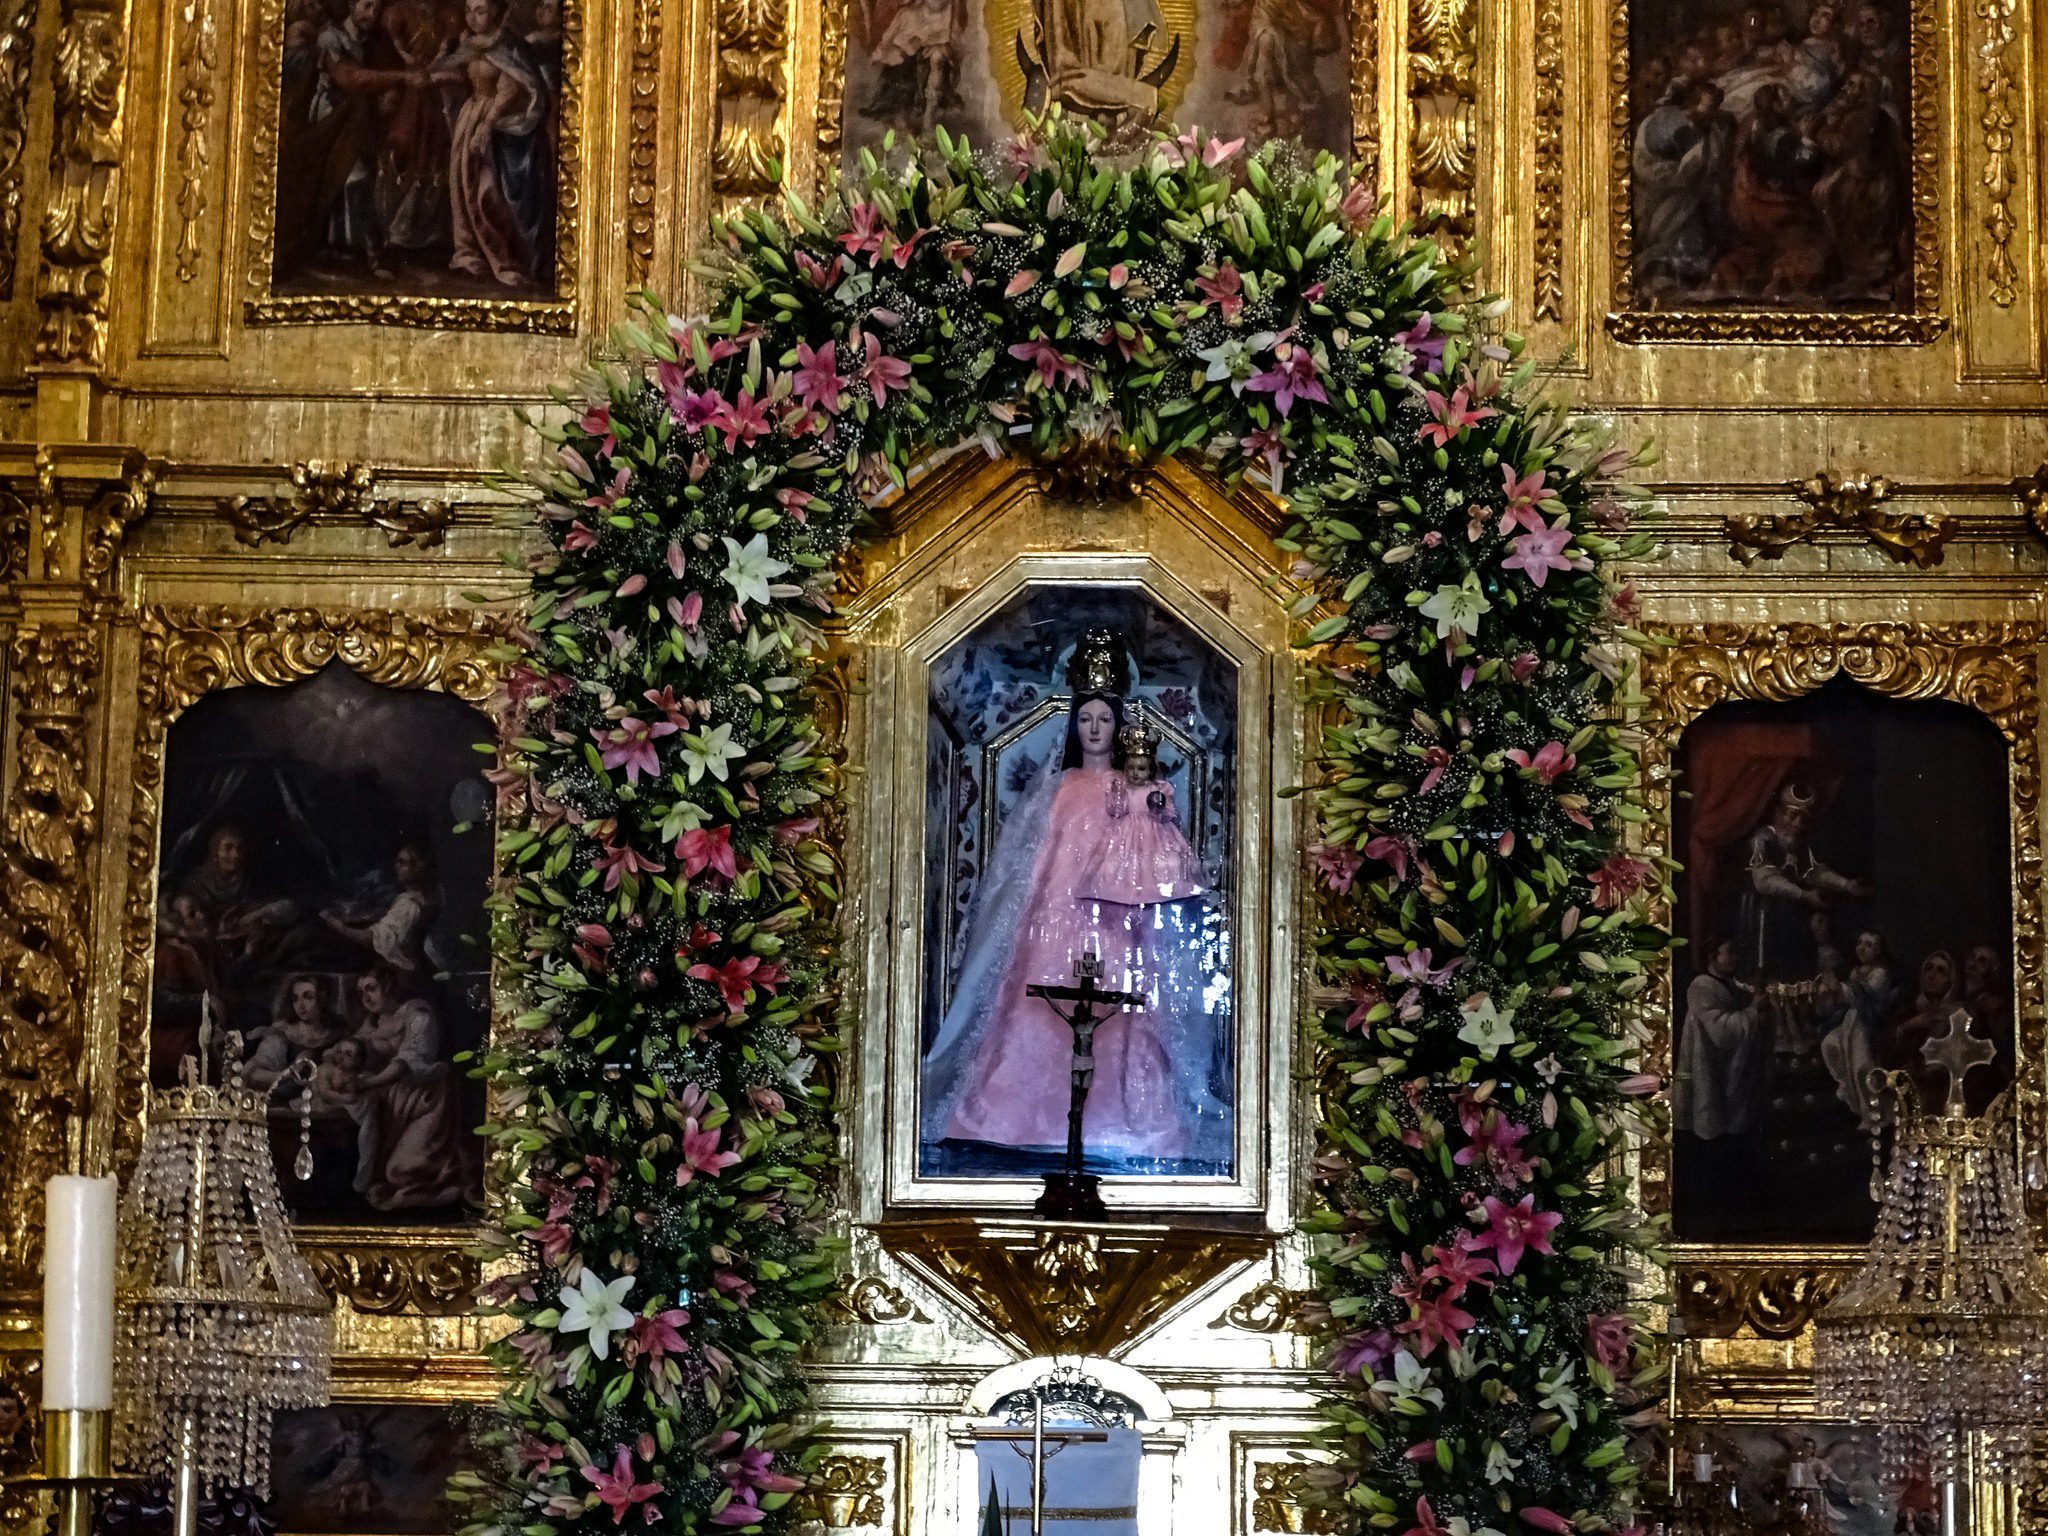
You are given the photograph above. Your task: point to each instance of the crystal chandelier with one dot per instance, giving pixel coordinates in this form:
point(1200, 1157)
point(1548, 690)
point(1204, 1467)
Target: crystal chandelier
point(219, 1320)
point(1941, 1337)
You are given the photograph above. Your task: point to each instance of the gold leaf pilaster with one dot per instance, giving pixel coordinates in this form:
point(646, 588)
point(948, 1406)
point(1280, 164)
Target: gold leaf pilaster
point(85, 159)
point(747, 149)
point(1443, 101)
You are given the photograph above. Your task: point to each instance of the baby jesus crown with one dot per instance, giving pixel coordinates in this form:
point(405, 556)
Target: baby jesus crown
point(1138, 739)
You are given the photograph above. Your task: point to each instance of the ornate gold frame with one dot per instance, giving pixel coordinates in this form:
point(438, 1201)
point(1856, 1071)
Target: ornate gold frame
point(1992, 666)
point(188, 652)
point(1914, 327)
point(549, 317)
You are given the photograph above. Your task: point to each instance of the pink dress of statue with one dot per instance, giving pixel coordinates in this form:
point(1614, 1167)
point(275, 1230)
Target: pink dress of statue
point(1114, 878)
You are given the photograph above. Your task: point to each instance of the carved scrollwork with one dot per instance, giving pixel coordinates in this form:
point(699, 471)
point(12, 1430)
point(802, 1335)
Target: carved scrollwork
point(1443, 99)
point(336, 492)
point(1774, 1301)
point(1268, 1307)
point(1854, 505)
point(1990, 666)
point(1998, 123)
point(190, 651)
point(198, 55)
point(2032, 490)
point(85, 159)
point(845, 1491)
point(874, 1301)
point(380, 1276)
point(1548, 107)
point(746, 146)
point(1293, 1496)
point(17, 68)
point(643, 139)
point(48, 820)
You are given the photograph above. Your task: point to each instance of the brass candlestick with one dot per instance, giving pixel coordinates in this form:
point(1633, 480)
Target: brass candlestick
point(77, 1459)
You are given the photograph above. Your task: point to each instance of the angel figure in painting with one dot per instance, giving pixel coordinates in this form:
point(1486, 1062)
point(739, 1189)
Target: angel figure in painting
point(1093, 861)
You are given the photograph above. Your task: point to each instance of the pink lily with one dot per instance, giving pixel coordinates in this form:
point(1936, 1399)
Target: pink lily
point(883, 372)
point(1459, 1268)
point(1546, 1520)
point(1549, 763)
point(755, 1468)
point(817, 381)
point(1515, 1229)
point(708, 848)
point(1425, 348)
point(1425, 1520)
point(702, 1154)
point(1292, 376)
point(1418, 966)
point(743, 421)
point(1497, 1145)
point(1439, 1320)
point(864, 237)
point(630, 745)
point(597, 421)
point(1436, 759)
point(657, 1337)
point(1611, 1340)
point(1053, 366)
point(1225, 291)
point(1391, 850)
point(738, 977)
point(1452, 416)
point(1523, 494)
point(616, 1489)
point(1615, 881)
point(1538, 554)
point(618, 863)
point(1337, 865)
point(819, 276)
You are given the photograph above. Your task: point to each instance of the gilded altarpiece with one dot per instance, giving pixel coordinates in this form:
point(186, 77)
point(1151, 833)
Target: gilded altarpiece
point(211, 485)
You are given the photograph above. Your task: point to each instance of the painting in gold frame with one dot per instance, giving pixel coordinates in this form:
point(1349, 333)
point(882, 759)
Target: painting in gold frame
point(1718, 231)
point(1989, 666)
point(370, 202)
point(188, 653)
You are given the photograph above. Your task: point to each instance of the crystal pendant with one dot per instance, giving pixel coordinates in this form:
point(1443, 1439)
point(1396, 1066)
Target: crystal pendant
point(302, 1165)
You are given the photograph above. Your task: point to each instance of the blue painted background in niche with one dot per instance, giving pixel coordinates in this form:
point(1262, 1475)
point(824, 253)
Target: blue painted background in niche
point(997, 717)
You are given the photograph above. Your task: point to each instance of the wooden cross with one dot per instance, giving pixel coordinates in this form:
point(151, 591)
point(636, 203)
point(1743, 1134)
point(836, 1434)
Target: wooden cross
point(1071, 1194)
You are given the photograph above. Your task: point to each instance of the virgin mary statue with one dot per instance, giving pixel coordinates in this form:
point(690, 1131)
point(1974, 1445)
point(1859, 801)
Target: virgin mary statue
point(1093, 861)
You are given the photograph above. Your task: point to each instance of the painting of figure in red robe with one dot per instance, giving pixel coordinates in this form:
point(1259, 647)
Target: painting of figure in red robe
point(1771, 153)
point(1847, 892)
point(417, 146)
point(320, 894)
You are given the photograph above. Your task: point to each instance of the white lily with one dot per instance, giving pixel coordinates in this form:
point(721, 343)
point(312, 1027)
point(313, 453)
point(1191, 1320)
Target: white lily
point(1410, 1382)
point(1500, 1466)
point(594, 1307)
point(1457, 608)
point(1487, 1029)
point(750, 568)
point(1557, 1392)
point(709, 750)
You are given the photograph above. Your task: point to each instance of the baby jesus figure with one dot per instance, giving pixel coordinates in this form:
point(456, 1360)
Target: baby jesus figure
point(1146, 857)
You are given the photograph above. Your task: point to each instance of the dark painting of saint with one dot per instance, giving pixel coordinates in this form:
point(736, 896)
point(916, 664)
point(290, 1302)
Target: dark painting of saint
point(316, 897)
point(1771, 154)
point(1847, 889)
point(366, 1469)
point(416, 148)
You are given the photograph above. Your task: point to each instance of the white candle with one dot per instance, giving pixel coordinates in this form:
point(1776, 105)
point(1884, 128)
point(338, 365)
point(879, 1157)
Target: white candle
point(78, 1294)
point(1702, 1467)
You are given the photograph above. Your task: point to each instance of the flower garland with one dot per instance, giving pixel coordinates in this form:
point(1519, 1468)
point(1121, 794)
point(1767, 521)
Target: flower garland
point(669, 870)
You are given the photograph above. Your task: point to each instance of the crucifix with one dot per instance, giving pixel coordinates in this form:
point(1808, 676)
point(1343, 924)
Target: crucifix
point(1044, 1444)
point(1070, 1194)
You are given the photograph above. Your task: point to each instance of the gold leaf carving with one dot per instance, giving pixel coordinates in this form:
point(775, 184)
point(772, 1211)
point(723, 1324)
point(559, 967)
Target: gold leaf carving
point(2032, 491)
point(874, 1301)
point(321, 491)
point(1289, 1496)
point(190, 651)
point(17, 69)
point(1268, 1307)
point(1718, 1298)
point(1854, 505)
point(1549, 154)
point(46, 825)
point(198, 43)
point(1443, 100)
point(1997, 119)
point(1990, 666)
point(746, 146)
point(378, 1273)
point(85, 159)
point(845, 1491)
point(643, 127)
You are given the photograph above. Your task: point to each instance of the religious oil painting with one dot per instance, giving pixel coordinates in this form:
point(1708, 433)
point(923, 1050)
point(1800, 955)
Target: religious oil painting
point(1817, 1479)
point(320, 890)
point(1847, 889)
point(1771, 154)
point(1080, 803)
point(417, 146)
point(365, 1469)
point(1253, 69)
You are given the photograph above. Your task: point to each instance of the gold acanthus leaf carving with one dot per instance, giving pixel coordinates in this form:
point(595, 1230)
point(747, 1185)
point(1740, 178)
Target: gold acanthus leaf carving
point(46, 824)
point(1998, 119)
point(198, 49)
point(17, 69)
point(1296, 1497)
point(1853, 505)
point(2032, 491)
point(845, 1491)
point(747, 146)
point(384, 1277)
point(1548, 235)
point(1268, 1307)
point(1443, 98)
point(643, 142)
point(872, 1300)
point(1775, 1301)
point(321, 491)
point(190, 651)
point(78, 213)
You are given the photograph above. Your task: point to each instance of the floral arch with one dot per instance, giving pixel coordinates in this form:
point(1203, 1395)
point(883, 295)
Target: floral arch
point(670, 868)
